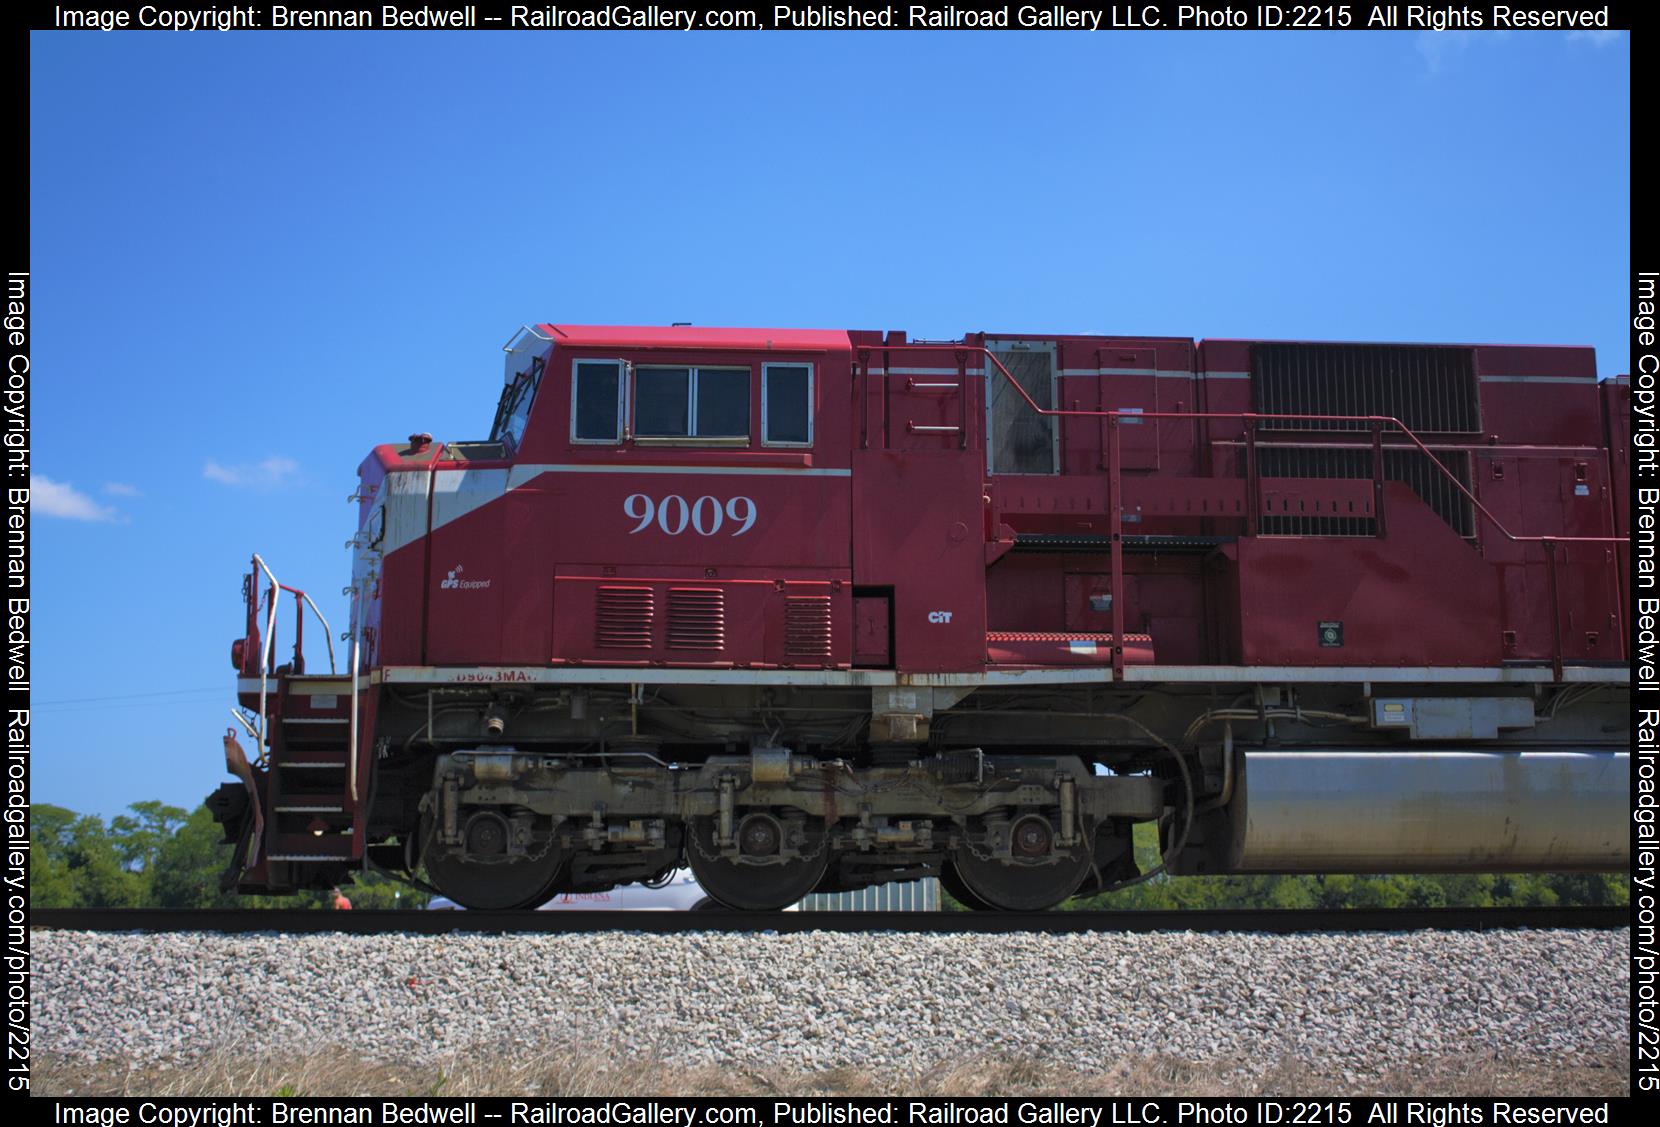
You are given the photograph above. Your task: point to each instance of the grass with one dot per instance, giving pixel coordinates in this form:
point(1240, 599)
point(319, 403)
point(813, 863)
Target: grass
point(567, 1071)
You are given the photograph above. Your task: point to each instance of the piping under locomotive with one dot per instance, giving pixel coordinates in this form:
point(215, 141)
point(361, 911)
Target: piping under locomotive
point(818, 610)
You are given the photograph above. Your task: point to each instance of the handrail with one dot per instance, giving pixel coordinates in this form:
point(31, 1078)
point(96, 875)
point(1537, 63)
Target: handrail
point(301, 600)
point(351, 727)
point(1253, 417)
point(328, 632)
point(265, 647)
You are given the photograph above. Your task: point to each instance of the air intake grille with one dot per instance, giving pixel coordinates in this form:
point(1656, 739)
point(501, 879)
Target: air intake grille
point(1408, 466)
point(807, 627)
point(622, 618)
point(1431, 390)
point(697, 618)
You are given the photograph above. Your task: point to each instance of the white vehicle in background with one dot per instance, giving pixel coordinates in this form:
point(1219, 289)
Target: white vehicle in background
point(680, 893)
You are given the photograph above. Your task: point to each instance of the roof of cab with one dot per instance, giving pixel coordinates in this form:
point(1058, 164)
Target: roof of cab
point(696, 337)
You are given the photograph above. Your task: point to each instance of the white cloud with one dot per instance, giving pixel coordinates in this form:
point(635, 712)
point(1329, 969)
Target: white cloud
point(1439, 47)
point(60, 499)
point(1595, 38)
point(268, 473)
point(121, 489)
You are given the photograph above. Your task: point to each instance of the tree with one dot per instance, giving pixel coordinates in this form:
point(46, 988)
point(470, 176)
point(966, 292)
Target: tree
point(139, 839)
point(75, 863)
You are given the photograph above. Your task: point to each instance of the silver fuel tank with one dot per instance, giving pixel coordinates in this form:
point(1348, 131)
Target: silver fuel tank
point(1429, 811)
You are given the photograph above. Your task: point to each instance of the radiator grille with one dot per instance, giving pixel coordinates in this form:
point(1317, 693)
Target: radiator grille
point(1431, 390)
point(807, 627)
point(697, 618)
point(623, 617)
point(1408, 466)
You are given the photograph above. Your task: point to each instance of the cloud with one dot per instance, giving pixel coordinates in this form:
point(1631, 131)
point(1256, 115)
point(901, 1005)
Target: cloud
point(1439, 47)
point(121, 489)
point(1595, 38)
point(268, 473)
point(60, 499)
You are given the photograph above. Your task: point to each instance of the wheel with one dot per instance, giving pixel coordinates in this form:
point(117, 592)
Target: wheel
point(1038, 875)
point(952, 881)
point(756, 882)
point(480, 874)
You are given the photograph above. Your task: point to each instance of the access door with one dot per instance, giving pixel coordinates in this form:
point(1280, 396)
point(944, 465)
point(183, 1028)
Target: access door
point(1019, 440)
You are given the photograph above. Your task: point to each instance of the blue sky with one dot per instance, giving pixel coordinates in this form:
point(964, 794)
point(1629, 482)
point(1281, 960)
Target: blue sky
point(255, 256)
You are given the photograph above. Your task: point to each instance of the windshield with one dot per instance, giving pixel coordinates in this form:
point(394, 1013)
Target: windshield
point(526, 359)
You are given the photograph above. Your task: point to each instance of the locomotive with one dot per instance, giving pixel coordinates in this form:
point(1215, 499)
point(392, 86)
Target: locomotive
point(815, 610)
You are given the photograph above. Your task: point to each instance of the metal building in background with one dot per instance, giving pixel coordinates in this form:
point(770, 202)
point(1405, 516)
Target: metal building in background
point(904, 896)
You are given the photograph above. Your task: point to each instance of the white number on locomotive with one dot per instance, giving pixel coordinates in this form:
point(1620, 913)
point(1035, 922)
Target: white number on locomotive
point(674, 514)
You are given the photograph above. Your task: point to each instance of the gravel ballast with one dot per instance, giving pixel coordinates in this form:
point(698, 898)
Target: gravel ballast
point(822, 1000)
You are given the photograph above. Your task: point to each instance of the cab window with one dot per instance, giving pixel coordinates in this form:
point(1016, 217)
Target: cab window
point(596, 401)
point(691, 403)
point(787, 404)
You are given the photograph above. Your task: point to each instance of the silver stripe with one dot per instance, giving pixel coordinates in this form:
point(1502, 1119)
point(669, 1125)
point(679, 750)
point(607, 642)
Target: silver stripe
point(1161, 373)
point(923, 371)
point(521, 474)
point(1228, 674)
point(1410, 674)
point(455, 493)
point(1226, 375)
point(1586, 380)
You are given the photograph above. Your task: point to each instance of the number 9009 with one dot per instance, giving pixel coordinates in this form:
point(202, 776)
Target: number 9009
point(674, 514)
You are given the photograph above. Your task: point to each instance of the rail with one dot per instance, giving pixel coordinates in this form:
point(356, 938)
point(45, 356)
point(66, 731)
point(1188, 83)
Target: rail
point(1273, 921)
point(1375, 423)
point(301, 601)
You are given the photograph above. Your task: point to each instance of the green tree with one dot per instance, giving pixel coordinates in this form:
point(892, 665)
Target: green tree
point(76, 864)
point(188, 863)
point(138, 838)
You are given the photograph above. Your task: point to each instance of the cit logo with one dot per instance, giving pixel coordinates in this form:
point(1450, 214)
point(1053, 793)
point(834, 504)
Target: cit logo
point(939, 617)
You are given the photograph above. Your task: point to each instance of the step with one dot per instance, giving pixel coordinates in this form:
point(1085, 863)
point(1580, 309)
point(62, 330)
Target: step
point(312, 758)
point(302, 808)
point(312, 847)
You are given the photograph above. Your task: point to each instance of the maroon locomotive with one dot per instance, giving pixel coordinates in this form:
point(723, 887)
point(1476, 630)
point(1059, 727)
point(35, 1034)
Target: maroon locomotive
point(822, 609)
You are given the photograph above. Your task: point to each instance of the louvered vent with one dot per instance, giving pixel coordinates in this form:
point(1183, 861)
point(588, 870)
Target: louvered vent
point(807, 627)
point(622, 618)
point(1409, 466)
point(1431, 390)
point(697, 618)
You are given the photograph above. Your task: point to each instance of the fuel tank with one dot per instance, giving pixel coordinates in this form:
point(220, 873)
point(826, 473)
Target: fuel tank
point(1428, 811)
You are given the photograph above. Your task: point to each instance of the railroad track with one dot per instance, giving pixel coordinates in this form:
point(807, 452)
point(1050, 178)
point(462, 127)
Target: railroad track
point(1276, 921)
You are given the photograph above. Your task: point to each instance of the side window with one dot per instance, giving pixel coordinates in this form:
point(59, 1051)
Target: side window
point(691, 403)
point(787, 404)
point(596, 401)
point(662, 402)
point(722, 409)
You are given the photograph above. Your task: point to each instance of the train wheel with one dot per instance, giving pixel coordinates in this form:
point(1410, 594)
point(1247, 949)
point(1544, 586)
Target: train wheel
point(1039, 874)
point(754, 883)
point(481, 875)
point(952, 881)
